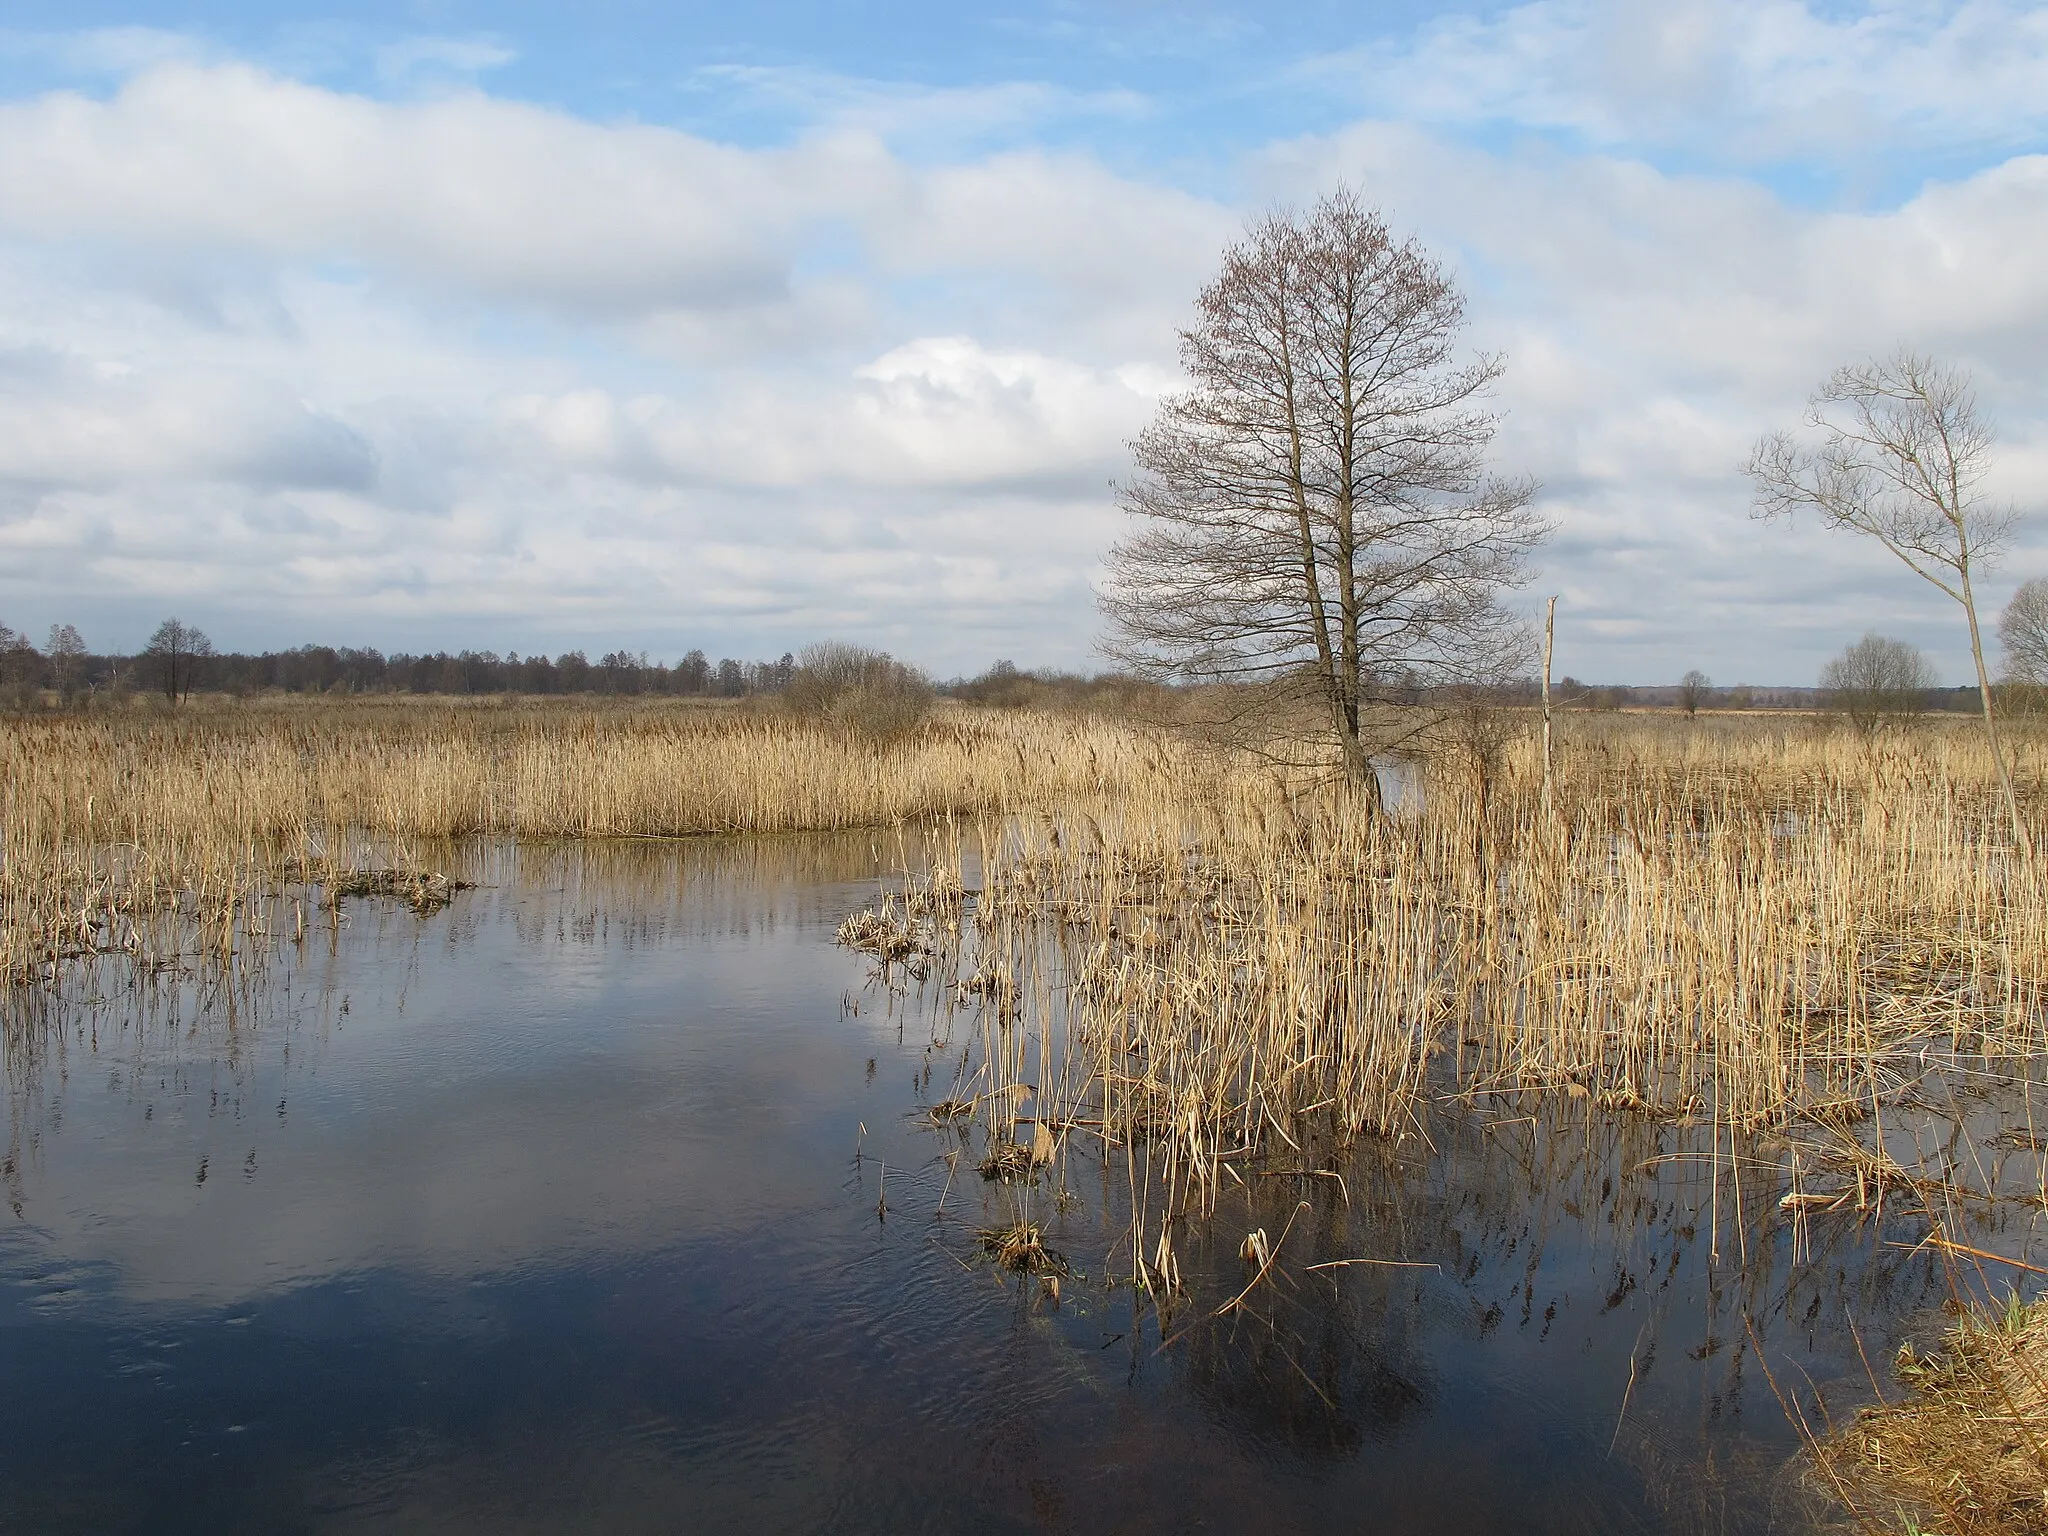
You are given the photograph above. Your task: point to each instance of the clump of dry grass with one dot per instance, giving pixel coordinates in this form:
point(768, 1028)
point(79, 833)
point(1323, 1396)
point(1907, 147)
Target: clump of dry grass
point(1965, 1450)
point(881, 933)
point(1021, 1246)
point(421, 890)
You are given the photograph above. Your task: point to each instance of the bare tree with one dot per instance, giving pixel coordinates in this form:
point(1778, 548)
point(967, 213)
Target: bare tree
point(868, 692)
point(67, 653)
point(176, 648)
point(1313, 517)
point(1878, 682)
point(20, 671)
point(1897, 452)
point(1692, 691)
point(2023, 629)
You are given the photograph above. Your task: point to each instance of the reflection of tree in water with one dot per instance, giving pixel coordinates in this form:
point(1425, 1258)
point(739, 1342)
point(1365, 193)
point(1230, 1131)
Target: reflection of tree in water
point(1583, 1233)
point(1313, 1379)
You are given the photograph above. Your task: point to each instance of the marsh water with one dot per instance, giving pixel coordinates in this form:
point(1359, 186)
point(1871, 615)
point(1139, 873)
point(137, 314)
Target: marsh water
point(603, 1201)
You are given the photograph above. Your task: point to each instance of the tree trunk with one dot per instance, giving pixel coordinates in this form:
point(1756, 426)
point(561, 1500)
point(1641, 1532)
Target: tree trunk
point(1359, 772)
point(2012, 801)
point(1549, 634)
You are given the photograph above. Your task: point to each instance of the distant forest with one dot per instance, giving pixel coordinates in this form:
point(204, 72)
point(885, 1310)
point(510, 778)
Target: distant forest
point(192, 666)
point(180, 661)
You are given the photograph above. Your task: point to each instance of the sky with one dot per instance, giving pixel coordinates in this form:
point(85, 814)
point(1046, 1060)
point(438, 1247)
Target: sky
point(649, 327)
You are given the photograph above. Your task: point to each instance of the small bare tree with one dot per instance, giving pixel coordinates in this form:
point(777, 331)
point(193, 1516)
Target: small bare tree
point(66, 652)
point(2023, 629)
point(1878, 682)
point(869, 692)
point(176, 648)
point(20, 671)
point(1314, 518)
point(1897, 452)
point(1692, 691)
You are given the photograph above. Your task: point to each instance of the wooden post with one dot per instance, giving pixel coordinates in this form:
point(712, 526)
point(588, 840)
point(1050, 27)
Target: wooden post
point(1549, 634)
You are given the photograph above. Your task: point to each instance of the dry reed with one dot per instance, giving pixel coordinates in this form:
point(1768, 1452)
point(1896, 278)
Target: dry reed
point(1965, 1450)
point(111, 825)
point(1764, 929)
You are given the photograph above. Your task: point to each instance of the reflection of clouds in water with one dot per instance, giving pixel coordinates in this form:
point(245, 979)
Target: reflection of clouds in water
point(607, 1050)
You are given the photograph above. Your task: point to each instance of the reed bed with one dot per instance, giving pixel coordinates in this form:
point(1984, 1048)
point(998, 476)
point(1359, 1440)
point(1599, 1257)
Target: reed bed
point(1768, 930)
point(113, 825)
point(1818, 958)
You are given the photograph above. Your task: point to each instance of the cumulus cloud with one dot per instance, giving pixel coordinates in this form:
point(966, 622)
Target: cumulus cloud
point(493, 198)
point(936, 412)
point(66, 423)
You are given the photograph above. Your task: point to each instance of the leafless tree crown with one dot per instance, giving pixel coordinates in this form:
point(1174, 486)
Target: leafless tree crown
point(1878, 681)
point(1693, 689)
point(2023, 629)
point(176, 646)
point(1315, 514)
point(1898, 452)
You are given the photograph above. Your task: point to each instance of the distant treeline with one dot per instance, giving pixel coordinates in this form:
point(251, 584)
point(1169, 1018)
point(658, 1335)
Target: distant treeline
point(180, 661)
point(1570, 693)
point(194, 667)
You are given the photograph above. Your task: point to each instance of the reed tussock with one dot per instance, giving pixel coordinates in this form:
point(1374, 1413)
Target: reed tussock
point(1965, 1450)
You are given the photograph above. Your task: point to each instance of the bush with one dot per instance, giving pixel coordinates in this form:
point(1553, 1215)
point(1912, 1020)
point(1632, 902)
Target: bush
point(869, 693)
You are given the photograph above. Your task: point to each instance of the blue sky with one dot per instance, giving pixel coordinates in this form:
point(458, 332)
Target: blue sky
point(650, 326)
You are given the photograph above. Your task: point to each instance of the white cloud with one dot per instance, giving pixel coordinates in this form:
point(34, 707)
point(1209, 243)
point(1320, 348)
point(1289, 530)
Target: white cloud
point(501, 201)
point(416, 59)
point(493, 198)
point(63, 423)
point(98, 51)
point(1752, 79)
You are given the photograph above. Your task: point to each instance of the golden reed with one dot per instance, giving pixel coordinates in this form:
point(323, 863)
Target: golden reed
point(107, 819)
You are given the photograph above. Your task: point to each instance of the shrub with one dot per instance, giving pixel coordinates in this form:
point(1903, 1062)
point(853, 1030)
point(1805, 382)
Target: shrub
point(869, 693)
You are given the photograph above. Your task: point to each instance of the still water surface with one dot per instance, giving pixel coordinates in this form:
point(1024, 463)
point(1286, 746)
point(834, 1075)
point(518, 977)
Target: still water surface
point(558, 1211)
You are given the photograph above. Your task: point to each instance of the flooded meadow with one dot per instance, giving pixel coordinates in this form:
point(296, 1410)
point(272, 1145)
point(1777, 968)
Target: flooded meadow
point(617, 1195)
